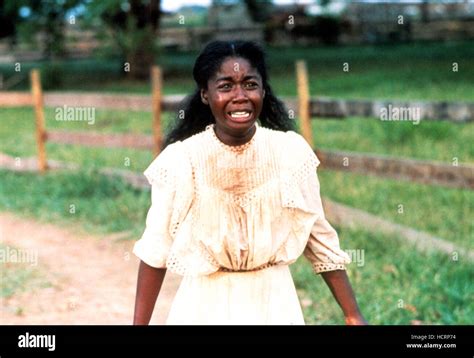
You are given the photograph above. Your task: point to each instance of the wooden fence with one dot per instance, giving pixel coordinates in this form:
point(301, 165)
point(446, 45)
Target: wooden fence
point(427, 172)
point(319, 107)
point(38, 100)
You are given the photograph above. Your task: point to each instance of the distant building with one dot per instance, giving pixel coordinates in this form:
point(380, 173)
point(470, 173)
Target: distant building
point(340, 22)
point(396, 21)
point(223, 22)
point(231, 21)
point(229, 16)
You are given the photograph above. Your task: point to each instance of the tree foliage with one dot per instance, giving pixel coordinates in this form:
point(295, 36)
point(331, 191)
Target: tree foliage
point(133, 24)
point(32, 17)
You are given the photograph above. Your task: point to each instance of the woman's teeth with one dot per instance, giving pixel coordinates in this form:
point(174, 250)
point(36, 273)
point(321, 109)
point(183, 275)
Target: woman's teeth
point(239, 114)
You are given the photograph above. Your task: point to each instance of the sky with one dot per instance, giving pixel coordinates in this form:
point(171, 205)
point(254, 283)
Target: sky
point(173, 5)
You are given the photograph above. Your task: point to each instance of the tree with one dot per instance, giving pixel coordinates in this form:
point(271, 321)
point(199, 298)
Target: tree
point(9, 18)
point(47, 17)
point(259, 9)
point(133, 24)
point(425, 11)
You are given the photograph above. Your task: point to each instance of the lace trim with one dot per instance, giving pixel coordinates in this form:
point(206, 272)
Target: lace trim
point(232, 148)
point(160, 171)
point(158, 174)
point(174, 264)
point(327, 266)
point(197, 261)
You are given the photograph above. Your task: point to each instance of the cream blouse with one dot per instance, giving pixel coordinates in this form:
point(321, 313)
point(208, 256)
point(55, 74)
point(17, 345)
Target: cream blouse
point(216, 206)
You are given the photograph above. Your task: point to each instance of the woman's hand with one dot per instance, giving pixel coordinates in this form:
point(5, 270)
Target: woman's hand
point(340, 287)
point(149, 284)
point(356, 321)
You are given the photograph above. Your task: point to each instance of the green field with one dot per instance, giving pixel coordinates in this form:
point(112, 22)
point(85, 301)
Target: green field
point(395, 284)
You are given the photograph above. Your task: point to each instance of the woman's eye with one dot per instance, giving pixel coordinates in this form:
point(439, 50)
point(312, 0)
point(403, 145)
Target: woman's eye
point(225, 86)
point(251, 85)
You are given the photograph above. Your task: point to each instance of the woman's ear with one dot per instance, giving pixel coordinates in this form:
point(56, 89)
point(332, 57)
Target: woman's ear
point(263, 96)
point(204, 96)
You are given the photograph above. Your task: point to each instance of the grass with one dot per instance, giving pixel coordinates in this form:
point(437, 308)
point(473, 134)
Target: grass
point(95, 202)
point(396, 284)
point(440, 211)
point(421, 70)
point(429, 140)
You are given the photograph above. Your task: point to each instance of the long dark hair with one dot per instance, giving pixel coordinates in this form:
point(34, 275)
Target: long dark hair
point(197, 115)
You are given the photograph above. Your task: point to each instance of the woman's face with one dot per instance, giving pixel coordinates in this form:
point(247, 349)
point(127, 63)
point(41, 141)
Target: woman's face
point(235, 96)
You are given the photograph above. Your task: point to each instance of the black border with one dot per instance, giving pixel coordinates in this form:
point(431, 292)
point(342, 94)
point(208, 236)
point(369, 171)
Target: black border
point(386, 340)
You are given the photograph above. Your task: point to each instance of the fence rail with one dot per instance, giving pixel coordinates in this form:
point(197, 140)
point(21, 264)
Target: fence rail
point(322, 107)
point(346, 216)
point(15, 99)
point(460, 176)
point(135, 141)
point(428, 110)
point(425, 172)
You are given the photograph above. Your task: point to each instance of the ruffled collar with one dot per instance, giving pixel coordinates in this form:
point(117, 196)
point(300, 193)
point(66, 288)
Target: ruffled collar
point(232, 148)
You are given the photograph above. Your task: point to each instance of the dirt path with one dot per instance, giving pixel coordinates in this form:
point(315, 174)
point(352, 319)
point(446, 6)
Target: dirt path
point(93, 278)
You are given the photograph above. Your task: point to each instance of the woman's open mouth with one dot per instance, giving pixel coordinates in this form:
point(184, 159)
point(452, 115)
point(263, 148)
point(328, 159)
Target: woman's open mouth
point(240, 116)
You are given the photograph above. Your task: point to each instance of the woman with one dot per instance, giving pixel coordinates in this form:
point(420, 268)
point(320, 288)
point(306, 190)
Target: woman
point(234, 202)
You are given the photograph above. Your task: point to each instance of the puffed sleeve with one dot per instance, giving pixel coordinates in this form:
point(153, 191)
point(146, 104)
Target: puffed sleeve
point(322, 249)
point(156, 241)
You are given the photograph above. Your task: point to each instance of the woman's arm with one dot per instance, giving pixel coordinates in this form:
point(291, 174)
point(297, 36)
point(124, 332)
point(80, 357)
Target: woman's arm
point(149, 284)
point(339, 284)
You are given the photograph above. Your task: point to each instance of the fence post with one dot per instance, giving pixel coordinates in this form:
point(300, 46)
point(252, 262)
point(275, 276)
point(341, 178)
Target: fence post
point(37, 94)
point(156, 81)
point(304, 101)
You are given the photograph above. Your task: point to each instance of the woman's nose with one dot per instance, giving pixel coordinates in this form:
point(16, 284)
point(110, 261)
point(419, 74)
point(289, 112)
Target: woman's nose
point(239, 94)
